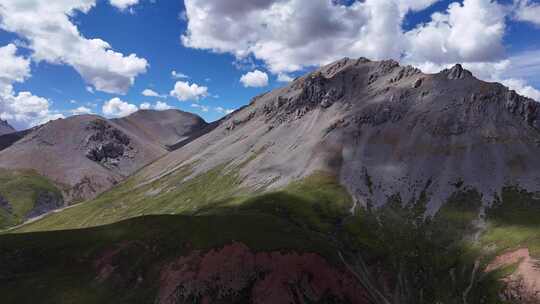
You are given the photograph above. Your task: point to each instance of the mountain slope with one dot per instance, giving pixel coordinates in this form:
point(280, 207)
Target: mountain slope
point(5, 128)
point(384, 129)
point(394, 254)
point(86, 155)
point(167, 127)
point(177, 259)
point(24, 195)
point(390, 167)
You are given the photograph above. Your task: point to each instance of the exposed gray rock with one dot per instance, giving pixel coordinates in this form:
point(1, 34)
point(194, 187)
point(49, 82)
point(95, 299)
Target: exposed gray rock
point(5, 205)
point(107, 144)
point(46, 202)
point(417, 83)
point(457, 72)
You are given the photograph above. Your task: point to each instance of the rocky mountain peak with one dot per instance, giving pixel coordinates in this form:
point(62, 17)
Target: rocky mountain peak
point(457, 72)
point(399, 124)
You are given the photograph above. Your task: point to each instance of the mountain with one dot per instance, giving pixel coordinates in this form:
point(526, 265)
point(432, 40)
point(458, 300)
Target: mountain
point(167, 127)
point(5, 128)
point(86, 155)
point(383, 129)
point(361, 182)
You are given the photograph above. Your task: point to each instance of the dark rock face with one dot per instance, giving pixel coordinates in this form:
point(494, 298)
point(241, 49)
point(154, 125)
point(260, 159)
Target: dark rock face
point(457, 72)
point(46, 202)
point(107, 145)
point(526, 108)
point(9, 139)
point(4, 204)
point(106, 151)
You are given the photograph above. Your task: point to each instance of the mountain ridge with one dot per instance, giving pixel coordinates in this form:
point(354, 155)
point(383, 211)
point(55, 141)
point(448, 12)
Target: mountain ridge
point(312, 123)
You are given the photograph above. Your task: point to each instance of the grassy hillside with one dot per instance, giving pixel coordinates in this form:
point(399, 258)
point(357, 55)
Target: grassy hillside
point(395, 250)
point(215, 191)
point(514, 222)
point(64, 266)
point(168, 195)
point(21, 190)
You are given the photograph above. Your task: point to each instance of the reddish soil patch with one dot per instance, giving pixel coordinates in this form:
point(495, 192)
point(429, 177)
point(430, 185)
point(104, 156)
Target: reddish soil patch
point(236, 274)
point(523, 285)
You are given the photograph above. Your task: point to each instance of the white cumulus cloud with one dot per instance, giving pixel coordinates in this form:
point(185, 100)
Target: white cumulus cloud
point(151, 93)
point(468, 32)
point(118, 108)
point(528, 11)
point(25, 110)
point(81, 111)
point(185, 91)
point(297, 33)
point(145, 106)
point(200, 107)
point(123, 4)
point(161, 106)
point(178, 75)
point(12, 67)
point(54, 38)
point(255, 79)
point(22, 109)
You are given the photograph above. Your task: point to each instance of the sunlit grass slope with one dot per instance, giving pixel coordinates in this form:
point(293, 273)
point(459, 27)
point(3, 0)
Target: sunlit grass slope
point(21, 189)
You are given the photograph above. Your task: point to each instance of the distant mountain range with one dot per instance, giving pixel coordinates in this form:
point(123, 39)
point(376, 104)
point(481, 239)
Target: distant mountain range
point(361, 182)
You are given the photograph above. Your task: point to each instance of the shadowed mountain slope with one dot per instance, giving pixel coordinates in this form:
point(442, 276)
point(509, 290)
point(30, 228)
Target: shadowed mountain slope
point(5, 128)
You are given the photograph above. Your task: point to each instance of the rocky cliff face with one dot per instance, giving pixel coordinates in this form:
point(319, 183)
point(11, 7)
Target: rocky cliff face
point(384, 129)
point(107, 145)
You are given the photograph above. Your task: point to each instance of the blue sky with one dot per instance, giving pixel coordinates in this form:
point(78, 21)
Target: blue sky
point(228, 51)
